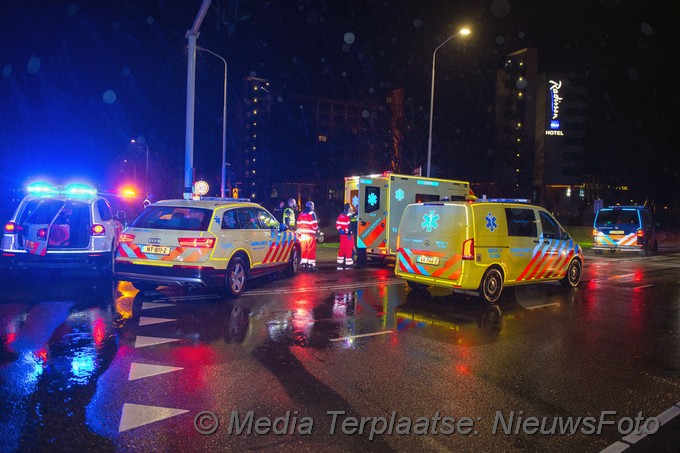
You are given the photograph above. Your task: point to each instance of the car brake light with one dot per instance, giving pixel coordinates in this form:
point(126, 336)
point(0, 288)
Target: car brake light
point(469, 249)
point(197, 242)
point(11, 228)
point(42, 234)
point(595, 231)
point(641, 233)
point(125, 238)
point(98, 230)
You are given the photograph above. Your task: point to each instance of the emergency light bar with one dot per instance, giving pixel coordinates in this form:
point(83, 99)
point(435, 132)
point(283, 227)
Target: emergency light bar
point(224, 199)
point(506, 200)
point(43, 189)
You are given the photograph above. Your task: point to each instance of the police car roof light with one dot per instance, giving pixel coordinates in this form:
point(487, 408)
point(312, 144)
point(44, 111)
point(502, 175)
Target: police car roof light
point(42, 189)
point(80, 190)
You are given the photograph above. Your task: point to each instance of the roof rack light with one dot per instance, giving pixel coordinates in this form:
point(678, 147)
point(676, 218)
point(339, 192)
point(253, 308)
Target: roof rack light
point(79, 190)
point(42, 189)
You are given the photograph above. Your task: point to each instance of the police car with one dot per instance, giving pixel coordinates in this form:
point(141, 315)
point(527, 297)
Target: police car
point(211, 242)
point(61, 227)
point(484, 246)
point(624, 228)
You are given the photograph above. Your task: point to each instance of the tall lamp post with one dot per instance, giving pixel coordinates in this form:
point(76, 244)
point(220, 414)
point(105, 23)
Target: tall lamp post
point(462, 32)
point(224, 124)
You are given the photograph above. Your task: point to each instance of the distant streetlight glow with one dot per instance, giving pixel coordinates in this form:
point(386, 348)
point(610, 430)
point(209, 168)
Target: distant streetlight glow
point(461, 32)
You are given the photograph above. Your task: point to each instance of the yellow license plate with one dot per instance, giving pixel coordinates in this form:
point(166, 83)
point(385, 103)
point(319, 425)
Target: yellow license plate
point(616, 232)
point(156, 249)
point(433, 260)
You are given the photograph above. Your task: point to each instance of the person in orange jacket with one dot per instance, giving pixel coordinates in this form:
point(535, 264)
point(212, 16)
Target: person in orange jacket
point(307, 227)
point(346, 248)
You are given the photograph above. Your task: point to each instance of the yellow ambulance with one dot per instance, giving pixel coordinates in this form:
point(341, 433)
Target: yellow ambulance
point(483, 246)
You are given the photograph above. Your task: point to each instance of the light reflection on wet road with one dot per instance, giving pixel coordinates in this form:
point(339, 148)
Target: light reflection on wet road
point(88, 365)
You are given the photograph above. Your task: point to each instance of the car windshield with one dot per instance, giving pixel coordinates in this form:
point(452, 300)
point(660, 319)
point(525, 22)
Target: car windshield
point(616, 217)
point(173, 218)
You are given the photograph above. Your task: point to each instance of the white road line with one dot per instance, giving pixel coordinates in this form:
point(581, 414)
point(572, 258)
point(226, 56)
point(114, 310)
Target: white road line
point(362, 335)
point(616, 447)
point(134, 415)
point(643, 286)
point(631, 439)
point(542, 306)
point(147, 320)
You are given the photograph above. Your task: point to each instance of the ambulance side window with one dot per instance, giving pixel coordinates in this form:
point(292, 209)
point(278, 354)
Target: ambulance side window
point(229, 221)
point(549, 226)
point(372, 199)
point(521, 222)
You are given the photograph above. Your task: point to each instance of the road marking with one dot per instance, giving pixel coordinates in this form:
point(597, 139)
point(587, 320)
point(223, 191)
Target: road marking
point(631, 439)
point(616, 447)
point(135, 415)
point(149, 305)
point(643, 286)
point(551, 304)
point(147, 321)
point(142, 342)
point(144, 370)
point(351, 337)
point(322, 288)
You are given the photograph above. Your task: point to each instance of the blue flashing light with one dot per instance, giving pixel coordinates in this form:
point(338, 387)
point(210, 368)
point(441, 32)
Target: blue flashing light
point(554, 124)
point(428, 183)
point(42, 189)
point(80, 190)
point(366, 181)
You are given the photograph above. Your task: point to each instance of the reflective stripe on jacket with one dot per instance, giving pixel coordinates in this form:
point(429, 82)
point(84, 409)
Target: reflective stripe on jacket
point(342, 224)
point(306, 224)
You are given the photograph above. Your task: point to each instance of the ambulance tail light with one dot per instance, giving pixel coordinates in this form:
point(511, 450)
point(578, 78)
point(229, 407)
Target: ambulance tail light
point(640, 233)
point(125, 238)
point(12, 228)
point(98, 230)
point(594, 231)
point(469, 249)
point(201, 243)
point(42, 234)
point(398, 240)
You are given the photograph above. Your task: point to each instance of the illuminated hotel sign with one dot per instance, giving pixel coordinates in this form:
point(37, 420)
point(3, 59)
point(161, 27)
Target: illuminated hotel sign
point(555, 101)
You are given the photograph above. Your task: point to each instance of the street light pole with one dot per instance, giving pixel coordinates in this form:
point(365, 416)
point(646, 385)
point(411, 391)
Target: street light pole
point(224, 124)
point(463, 31)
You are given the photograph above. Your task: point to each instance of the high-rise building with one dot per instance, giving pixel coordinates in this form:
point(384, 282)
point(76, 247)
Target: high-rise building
point(256, 183)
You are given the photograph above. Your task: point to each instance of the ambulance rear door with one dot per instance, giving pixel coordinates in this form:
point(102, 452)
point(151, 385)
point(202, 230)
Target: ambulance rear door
point(372, 218)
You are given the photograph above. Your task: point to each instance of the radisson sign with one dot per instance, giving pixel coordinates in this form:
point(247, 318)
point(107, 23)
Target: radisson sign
point(555, 101)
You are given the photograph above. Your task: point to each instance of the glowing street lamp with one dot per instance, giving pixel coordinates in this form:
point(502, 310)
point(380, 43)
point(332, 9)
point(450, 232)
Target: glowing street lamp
point(462, 32)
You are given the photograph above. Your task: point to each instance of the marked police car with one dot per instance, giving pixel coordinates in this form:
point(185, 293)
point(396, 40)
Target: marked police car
point(213, 242)
point(483, 246)
point(624, 228)
point(61, 227)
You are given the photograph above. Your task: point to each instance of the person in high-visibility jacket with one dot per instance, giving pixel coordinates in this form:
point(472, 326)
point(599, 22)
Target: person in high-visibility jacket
point(307, 228)
point(289, 214)
point(346, 249)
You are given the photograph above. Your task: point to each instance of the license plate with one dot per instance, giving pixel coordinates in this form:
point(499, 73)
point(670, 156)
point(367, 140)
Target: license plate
point(156, 249)
point(433, 260)
point(616, 232)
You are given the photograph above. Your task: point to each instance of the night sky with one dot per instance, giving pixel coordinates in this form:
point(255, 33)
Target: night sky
point(80, 79)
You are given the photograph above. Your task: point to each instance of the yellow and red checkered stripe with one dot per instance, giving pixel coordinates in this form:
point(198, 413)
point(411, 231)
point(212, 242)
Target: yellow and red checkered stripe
point(369, 233)
point(280, 248)
point(616, 239)
point(185, 255)
point(451, 269)
point(551, 260)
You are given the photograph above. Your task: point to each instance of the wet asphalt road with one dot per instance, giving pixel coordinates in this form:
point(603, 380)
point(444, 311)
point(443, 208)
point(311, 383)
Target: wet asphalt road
point(88, 364)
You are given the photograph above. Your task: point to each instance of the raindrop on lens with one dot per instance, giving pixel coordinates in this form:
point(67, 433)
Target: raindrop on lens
point(349, 38)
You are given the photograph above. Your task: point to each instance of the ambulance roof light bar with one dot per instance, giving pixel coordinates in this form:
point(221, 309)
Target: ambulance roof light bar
point(504, 200)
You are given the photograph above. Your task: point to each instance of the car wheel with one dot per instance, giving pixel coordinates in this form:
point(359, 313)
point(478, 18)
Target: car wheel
point(236, 277)
point(417, 286)
point(293, 262)
point(492, 285)
point(573, 277)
